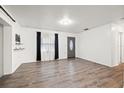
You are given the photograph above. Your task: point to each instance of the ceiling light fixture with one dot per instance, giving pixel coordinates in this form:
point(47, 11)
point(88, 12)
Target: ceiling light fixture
point(65, 21)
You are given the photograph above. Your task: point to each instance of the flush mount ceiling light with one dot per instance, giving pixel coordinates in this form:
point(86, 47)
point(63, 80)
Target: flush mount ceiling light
point(65, 21)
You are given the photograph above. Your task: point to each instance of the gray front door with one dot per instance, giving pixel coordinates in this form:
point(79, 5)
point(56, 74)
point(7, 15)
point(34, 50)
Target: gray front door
point(71, 47)
point(1, 51)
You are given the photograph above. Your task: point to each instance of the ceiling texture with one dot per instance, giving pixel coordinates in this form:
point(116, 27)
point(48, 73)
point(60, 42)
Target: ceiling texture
point(48, 16)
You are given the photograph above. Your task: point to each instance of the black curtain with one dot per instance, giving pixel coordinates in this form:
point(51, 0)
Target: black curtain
point(38, 46)
point(56, 47)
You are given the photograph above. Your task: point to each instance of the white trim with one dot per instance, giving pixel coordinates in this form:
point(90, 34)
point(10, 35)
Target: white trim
point(1, 26)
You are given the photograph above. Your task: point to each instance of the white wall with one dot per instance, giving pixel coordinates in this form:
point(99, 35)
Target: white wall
point(7, 39)
point(63, 44)
point(28, 36)
point(7, 36)
point(116, 28)
point(16, 55)
point(116, 48)
point(95, 45)
point(122, 42)
point(123, 48)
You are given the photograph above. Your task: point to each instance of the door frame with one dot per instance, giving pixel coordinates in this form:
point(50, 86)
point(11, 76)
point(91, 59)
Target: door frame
point(2, 56)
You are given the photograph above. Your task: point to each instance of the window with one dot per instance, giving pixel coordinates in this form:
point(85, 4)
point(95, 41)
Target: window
point(47, 46)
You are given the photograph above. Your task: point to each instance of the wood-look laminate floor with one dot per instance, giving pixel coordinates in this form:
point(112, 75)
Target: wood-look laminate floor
point(71, 73)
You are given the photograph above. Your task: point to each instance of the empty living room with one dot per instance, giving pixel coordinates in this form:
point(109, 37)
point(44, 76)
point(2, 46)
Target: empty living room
point(61, 46)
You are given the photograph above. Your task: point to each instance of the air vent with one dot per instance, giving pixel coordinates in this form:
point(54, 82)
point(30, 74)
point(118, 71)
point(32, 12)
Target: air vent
point(86, 29)
point(122, 18)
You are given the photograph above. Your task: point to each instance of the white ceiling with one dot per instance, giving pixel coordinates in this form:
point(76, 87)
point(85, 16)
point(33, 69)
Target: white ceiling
point(47, 16)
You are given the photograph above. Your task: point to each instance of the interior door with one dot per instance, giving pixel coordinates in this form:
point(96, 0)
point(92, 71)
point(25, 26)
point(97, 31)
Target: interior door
point(1, 51)
point(71, 47)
